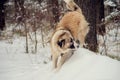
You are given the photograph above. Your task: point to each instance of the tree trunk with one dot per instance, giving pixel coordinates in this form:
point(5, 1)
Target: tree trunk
point(22, 13)
point(89, 10)
point(16, 8)
point(54, 8)
point(100, 16)
point(26, 35)
point(2, 14)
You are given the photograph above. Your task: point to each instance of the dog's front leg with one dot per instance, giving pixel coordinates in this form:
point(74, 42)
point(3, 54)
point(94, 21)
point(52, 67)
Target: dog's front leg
point(55, 59)
point(62, 60)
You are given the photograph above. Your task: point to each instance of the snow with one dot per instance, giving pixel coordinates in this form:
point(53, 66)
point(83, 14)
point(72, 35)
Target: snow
point(109, 3)
point(15, 64)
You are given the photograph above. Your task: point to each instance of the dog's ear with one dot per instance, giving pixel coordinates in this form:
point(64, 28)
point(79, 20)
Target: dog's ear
point(61, 43)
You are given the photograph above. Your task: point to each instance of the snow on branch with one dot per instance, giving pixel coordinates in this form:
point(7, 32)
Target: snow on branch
point(109, 3)
point(110, 18)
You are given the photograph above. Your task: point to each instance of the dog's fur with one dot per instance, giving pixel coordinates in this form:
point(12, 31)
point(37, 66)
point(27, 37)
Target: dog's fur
point(71, 29)
point(62, 43)
point(75, 22)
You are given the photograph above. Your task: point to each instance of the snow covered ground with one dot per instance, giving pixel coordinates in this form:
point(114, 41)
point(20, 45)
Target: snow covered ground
point(15, 64)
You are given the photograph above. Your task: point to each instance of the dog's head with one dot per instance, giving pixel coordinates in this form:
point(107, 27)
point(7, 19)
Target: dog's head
point(66, 41)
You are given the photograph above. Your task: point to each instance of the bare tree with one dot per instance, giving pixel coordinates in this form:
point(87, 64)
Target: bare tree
point(20, 11)
point(2, 14)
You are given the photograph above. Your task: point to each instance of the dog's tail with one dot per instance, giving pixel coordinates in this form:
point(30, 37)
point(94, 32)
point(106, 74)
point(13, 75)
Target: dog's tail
point(72, 6)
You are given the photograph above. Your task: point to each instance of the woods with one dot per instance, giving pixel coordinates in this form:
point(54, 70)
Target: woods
point(25, 17)
point(36, 35)
point(44, 40)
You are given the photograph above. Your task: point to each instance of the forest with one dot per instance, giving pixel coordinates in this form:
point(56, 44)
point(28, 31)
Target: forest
point(27, 25)
point(31, 17)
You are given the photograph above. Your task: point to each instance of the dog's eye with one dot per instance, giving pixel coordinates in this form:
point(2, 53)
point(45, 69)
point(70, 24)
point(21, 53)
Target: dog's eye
point(61, 43)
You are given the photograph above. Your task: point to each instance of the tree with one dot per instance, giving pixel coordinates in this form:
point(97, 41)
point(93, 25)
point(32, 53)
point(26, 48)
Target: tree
point(92, 12)
point(2, 14)
point(21, 12)
point(55, 10)
point(100, 16)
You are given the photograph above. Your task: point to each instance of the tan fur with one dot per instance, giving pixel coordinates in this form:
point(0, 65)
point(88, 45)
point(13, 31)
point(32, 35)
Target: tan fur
point(76, 23)
point(56, 50)
point(73, 24)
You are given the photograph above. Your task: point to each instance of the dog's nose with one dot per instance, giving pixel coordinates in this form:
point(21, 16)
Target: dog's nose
point(72, 46)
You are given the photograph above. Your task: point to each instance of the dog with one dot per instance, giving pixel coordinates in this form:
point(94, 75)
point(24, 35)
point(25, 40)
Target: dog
point(62, 45)
point(75, 22)
point(69, 34)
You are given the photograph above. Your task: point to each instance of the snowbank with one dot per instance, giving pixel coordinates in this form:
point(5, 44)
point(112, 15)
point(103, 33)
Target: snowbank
point(83, 65)
point(86, 65)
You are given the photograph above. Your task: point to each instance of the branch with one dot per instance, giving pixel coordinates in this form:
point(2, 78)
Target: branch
point(110, 18)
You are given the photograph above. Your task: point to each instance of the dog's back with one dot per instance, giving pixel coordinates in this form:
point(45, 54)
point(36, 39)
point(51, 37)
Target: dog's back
point(74, 21)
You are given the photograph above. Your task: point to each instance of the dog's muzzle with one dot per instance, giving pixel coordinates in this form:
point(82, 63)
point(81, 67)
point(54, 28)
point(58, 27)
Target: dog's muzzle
point(72, 46)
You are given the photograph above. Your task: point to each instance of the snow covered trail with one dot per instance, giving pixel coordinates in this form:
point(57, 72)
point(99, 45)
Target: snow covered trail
point(83, 65)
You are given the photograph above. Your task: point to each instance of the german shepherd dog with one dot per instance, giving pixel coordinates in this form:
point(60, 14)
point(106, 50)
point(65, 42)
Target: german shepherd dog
point(69, 34)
